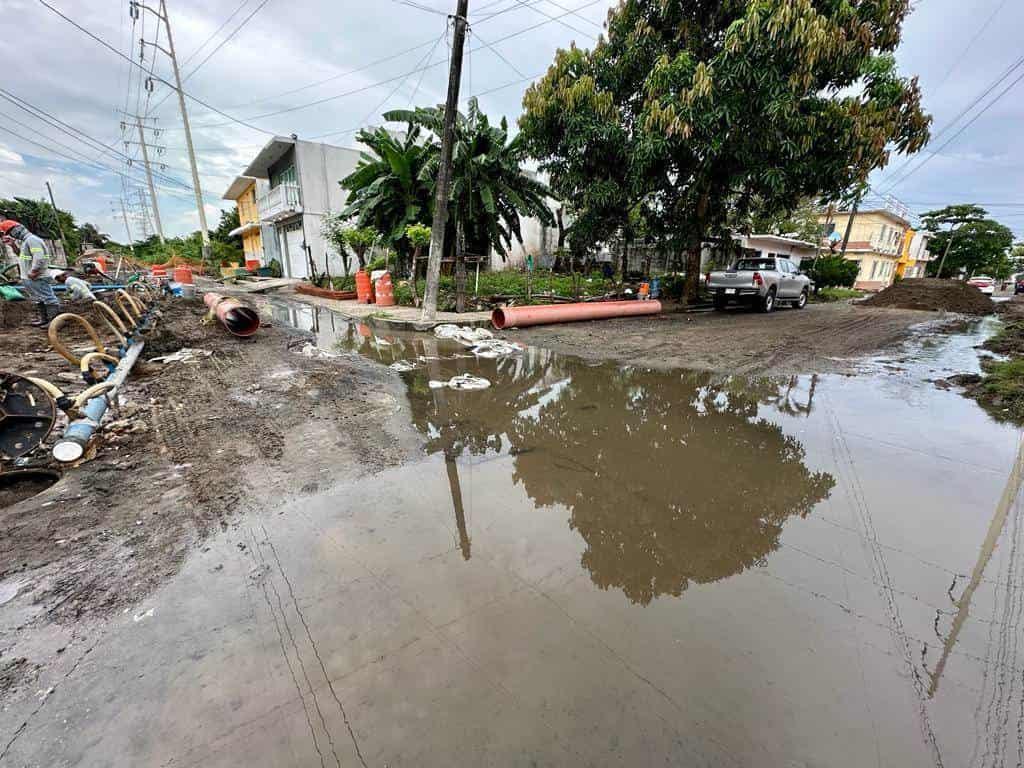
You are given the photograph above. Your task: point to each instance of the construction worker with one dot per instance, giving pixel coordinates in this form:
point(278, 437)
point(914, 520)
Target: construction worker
point(32, 261)
point(77, 288)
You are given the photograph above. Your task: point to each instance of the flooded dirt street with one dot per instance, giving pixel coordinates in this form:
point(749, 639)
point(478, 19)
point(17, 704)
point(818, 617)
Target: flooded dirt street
point(599, 565)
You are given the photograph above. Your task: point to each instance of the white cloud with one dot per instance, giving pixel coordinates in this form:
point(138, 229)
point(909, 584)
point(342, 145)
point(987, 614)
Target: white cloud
point(10, 157)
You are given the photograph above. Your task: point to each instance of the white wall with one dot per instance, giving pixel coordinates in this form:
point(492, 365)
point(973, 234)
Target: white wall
point(795, 252)
point(320, 168)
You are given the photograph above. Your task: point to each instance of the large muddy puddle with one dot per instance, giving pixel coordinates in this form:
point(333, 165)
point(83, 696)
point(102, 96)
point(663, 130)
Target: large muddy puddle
point(604, 565)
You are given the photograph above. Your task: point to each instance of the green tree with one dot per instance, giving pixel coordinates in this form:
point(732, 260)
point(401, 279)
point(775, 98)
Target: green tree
point(38, 218)
point(489, 190)
point(90, 233)
point(721, 106)
point(972, 242)
point(975, 247)
point(333, 227)
point(418, 236)
point(229, 221)
point(360, 240)
point(386, 191)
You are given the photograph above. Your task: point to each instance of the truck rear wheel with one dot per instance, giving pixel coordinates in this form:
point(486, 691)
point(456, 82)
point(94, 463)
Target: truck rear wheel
point(768, 302)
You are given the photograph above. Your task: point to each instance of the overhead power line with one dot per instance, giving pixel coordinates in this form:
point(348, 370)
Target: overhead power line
point(134, 63)
point(962, 113)
point(222, 43)
point(402, 76)
point(958, 60)
point(956, 135)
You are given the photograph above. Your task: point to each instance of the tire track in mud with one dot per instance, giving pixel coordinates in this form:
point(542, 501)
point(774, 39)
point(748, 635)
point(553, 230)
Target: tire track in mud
point(857, 500)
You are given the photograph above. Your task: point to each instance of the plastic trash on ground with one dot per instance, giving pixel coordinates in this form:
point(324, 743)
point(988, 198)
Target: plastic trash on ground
point(402, 366)
point(495, 348)
point(463, 381)
point(462, 334)
point(184, 355)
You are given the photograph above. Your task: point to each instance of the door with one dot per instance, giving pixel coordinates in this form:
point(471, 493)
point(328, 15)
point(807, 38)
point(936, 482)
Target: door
point(295, 256)
point(796, 278)
point(787, 280)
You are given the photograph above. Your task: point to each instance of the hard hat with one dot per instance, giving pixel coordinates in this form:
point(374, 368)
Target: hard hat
point(7, 225)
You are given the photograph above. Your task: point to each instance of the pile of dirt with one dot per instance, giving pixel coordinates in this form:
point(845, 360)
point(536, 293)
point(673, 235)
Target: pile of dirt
point(934, 295)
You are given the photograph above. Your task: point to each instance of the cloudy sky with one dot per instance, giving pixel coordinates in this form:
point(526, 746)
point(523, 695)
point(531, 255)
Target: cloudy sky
point(321, 68)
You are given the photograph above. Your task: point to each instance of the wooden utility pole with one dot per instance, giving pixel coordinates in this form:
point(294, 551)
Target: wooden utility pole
point(60, 229)
point(444, 173)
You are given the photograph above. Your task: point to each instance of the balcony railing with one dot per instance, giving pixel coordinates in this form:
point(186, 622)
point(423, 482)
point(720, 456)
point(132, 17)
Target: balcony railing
point(279, 203)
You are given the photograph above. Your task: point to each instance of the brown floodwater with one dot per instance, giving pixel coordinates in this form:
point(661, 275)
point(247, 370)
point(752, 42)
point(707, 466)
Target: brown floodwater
point(606, 565)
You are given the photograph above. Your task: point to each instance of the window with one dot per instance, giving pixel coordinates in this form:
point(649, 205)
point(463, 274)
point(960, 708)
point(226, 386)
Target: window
point(755, 265)
point(285, 175)
point(874, 269)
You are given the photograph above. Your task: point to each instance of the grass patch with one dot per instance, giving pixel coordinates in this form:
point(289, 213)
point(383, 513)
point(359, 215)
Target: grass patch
point(831, 294)
point(506, 284)
point(1000, 388)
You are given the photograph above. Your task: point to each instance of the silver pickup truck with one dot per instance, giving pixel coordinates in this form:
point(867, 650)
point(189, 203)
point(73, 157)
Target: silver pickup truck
point(762, 281)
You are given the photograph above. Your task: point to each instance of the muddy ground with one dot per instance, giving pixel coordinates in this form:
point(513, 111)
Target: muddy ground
point(193, 445)
point(818, 339)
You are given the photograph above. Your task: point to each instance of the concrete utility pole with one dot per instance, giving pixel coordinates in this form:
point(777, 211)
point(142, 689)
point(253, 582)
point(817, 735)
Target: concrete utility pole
point(169, 52)
point(444, 180)
point(149, 180)
point(127, 229)
point(945, 253)
point(56, 216)
point(203, 229)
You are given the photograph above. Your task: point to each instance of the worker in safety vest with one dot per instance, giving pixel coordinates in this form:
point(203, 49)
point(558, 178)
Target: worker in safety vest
point(32, 262)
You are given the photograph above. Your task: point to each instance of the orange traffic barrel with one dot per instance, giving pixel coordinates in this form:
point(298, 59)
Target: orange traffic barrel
point(364, 290)
point(385, 291)
point(183, 275)
point(159, 271)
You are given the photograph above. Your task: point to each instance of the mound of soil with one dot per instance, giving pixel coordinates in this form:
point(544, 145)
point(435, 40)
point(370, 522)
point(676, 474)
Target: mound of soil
point(934, 295)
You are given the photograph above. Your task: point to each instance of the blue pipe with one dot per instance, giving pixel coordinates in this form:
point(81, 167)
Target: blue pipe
point(78, 433)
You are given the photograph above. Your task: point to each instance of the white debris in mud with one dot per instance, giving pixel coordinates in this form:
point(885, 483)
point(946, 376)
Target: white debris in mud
point(402, 365)
point(463, 334)
point(495, 348)
point(185, 355)
point(461, 382)
point(313, 351)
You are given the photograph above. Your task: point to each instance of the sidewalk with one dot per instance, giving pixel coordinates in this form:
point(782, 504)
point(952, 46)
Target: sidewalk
point(393, 318)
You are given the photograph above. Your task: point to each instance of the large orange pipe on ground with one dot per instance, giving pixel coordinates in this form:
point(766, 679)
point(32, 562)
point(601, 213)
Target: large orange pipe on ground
point(233, 314)
point(519, 317)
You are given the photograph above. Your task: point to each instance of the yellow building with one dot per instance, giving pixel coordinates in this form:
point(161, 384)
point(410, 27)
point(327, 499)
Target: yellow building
point(878, 240)
point(243, 192)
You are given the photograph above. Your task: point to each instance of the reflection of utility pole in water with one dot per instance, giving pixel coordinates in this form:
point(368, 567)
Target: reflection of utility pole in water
point(995, 530)
point(451, 466)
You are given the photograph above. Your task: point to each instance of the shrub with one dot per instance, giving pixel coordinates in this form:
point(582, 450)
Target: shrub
point(831, 271)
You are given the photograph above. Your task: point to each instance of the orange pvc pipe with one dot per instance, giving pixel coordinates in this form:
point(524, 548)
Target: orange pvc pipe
point(239, 319)
point(519, 317)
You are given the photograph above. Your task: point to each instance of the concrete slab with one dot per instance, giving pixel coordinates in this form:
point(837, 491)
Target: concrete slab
point(394, 318)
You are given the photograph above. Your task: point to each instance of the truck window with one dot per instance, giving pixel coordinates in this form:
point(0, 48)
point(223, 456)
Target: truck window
point(755, 265)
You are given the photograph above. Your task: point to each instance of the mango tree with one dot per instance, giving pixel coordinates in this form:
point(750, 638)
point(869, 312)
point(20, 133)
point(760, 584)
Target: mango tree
point(702, 110)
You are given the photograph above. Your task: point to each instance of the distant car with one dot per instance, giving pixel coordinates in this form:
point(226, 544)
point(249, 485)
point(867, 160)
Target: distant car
point(1018, 286)
point(762, 281)
point(983, 283)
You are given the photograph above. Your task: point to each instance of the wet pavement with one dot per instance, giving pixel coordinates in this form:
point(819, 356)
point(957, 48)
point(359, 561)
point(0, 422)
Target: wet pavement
point(596, 565)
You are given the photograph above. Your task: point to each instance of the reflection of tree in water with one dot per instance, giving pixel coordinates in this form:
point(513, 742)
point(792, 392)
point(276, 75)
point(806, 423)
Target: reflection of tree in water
point(669, 478)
